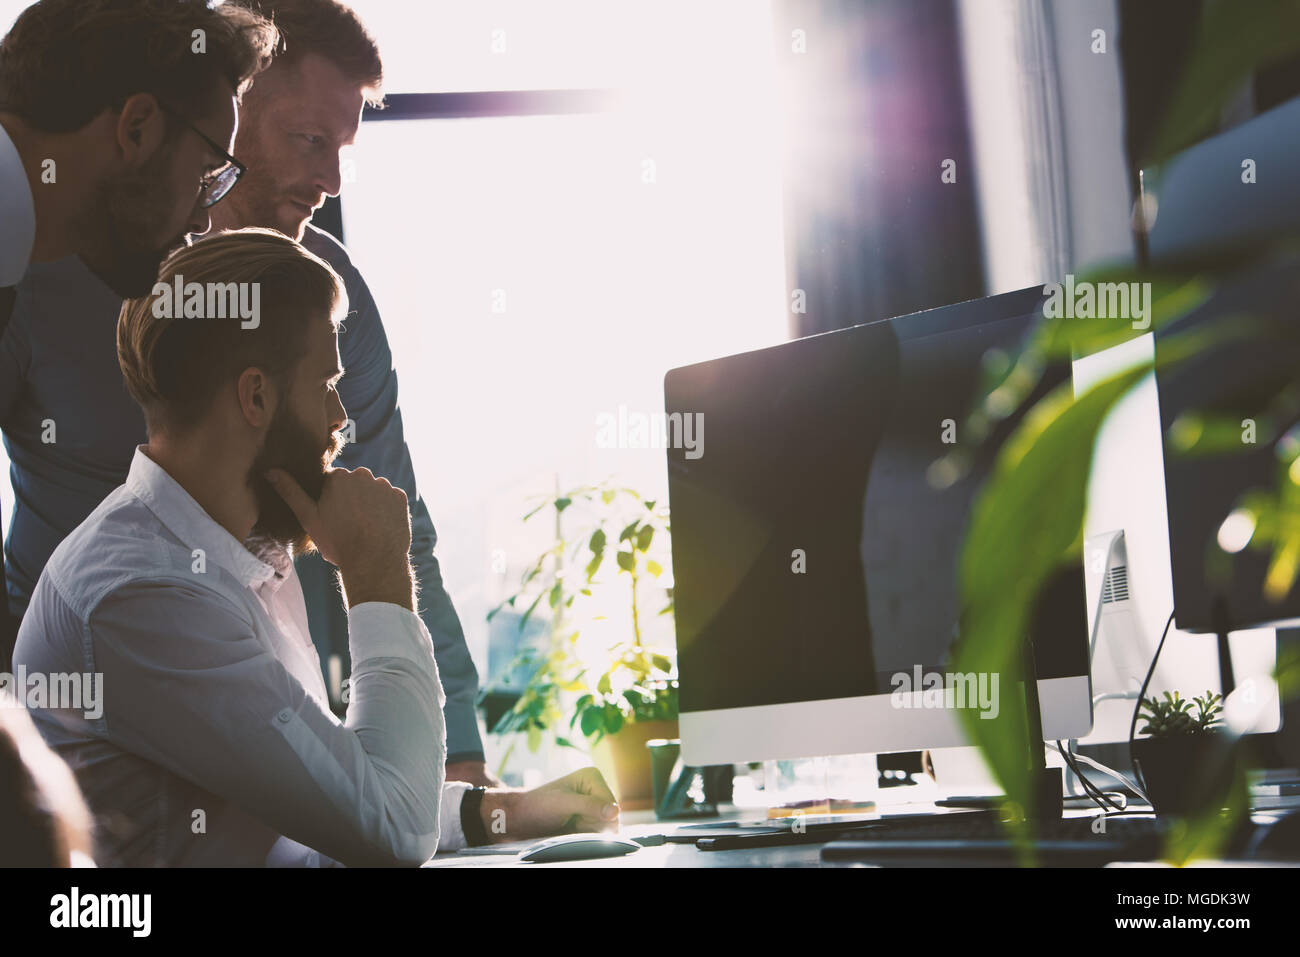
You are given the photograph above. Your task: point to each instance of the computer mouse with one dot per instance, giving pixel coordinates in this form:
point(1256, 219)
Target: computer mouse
point(578, 847)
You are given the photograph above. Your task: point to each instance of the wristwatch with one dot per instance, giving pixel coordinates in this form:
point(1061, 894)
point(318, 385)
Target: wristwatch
point(471, 820)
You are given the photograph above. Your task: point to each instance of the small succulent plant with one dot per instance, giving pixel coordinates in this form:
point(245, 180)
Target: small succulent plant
point(1173, 715)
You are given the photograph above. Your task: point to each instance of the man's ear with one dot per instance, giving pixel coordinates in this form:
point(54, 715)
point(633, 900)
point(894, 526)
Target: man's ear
point(257, 397)
point(141, 128)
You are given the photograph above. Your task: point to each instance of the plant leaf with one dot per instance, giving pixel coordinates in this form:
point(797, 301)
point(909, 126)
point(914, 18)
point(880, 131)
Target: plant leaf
point(644, 536)
point(1026, 520)
point(529, 612)
point(613, 719)
point(1234, 40)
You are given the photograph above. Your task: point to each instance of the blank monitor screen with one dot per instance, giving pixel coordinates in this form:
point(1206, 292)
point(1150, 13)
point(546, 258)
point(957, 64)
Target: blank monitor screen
point(813, 556)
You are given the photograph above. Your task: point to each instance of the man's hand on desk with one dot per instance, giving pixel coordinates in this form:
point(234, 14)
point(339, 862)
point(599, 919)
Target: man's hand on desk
point(580, 801)
point(473, 772)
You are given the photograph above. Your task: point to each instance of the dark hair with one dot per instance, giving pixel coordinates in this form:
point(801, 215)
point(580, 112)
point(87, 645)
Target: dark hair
point(66, 61)
point(330, 29)
point(174, 367)
point(43, 818)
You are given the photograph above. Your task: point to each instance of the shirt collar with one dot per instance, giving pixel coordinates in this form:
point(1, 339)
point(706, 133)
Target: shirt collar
point(17, 212)
point(186, 519)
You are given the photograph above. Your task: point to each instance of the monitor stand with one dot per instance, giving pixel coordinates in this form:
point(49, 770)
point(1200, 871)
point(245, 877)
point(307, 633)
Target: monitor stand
point(1049, 784)
point(1226, 678)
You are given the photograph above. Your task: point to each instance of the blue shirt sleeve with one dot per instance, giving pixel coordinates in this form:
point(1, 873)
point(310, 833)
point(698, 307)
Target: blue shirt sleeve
point(368, 390)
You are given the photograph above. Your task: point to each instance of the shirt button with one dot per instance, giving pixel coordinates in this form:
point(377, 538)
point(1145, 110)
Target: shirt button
point(284, 716)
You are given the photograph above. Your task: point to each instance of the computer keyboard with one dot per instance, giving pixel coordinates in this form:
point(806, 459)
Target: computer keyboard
point(727, 834)
point(1075, 841)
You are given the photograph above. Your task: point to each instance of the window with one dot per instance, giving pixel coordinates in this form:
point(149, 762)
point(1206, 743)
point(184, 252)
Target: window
point(537, 271)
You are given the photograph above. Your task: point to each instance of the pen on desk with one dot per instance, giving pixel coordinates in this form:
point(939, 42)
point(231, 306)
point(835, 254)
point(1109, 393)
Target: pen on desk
point(981, 802)
point(485, 851)
point(733, 842)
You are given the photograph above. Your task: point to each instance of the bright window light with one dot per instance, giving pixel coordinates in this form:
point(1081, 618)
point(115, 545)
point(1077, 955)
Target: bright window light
point(437, 46)
point(9, 10)
point(535, 272)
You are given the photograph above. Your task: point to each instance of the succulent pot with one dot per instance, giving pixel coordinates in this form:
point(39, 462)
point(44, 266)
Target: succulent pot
point(1187, 774)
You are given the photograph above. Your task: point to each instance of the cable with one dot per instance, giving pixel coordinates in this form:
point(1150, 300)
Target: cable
point(1100, 799)
point(1131, 785)
point(1132, 728)
point(1088, 789)
point(1113, 696)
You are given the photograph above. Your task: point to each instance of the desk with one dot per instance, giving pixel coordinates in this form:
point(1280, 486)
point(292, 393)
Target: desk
point(643, 823)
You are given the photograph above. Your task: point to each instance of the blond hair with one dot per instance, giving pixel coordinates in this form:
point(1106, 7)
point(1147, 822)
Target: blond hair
point(174, 366)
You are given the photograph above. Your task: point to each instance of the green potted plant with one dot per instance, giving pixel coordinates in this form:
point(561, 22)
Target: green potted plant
point(1185, 763)
point(617, 694)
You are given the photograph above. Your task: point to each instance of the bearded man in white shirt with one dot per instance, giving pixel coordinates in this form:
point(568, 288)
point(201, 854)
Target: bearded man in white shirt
point(214, 743)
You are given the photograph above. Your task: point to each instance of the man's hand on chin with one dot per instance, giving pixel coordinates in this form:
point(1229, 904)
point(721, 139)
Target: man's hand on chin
point(474, 772)
point(577, 802)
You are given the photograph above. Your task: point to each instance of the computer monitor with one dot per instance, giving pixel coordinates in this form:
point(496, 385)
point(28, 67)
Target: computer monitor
point(815, 555)
point(1203, 212)
point(1167, 509)
point(1128, 566)
point(1218, 586)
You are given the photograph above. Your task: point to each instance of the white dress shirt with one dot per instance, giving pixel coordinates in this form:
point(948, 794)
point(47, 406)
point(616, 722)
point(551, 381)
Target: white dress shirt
point(216, 745)
point(17, 214)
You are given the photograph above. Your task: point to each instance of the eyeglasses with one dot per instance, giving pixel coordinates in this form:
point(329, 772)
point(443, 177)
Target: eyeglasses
point(217, 184)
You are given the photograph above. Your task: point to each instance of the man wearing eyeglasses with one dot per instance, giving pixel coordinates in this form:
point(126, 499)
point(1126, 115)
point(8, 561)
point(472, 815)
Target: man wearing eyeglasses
point(307, 106)
point(94, 164)
point(220, 179)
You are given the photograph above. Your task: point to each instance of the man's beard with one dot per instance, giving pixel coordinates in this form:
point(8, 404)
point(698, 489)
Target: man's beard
point(120, 248)
point(259, 199)
point(264, 209)
point(290, 446)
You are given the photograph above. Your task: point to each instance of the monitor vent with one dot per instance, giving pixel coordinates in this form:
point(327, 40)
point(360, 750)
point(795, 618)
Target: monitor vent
point(1115, 587)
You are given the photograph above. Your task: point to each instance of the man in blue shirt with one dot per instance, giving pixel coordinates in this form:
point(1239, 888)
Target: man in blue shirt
point(71, 428)
point(114, 143)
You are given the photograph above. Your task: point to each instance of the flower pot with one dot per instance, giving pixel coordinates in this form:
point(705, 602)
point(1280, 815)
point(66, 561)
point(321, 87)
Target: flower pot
point(624, 760)
point(1187, 774)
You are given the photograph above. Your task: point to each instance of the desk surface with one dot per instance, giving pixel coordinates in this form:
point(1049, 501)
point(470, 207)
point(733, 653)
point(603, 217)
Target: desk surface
point(643, 823)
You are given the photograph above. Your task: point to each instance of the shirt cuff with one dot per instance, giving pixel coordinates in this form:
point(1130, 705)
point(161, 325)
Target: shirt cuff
point(451, 834)
point(380, 629)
